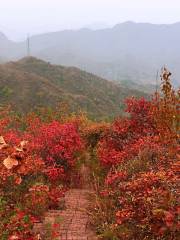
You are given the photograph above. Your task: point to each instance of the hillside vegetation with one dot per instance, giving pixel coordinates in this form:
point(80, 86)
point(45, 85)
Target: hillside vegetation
point(31, 83)
point(62, 174)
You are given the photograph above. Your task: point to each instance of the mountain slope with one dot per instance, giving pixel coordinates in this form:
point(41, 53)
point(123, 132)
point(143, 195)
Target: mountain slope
point(30, 83)
point(128, 51)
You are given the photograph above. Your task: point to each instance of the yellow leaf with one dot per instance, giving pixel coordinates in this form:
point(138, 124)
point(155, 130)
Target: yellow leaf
point(18, 149)
point(9, 162)
point(2, 141)
point(21, 147)
point(23, 143)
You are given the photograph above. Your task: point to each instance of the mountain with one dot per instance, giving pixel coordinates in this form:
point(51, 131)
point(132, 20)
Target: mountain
point(10, 50)
point(30, 83)
point(131, 52)
point(97, 25)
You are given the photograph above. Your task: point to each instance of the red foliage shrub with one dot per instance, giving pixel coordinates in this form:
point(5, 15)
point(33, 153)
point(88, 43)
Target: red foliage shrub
point(17, 161)
point(58, 145)
point(141, 154)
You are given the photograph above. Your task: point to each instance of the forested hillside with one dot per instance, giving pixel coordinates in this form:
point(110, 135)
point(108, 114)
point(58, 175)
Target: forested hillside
point(31, 83)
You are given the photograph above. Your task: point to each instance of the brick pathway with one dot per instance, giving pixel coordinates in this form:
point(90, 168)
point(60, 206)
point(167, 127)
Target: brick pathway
point(74, 220)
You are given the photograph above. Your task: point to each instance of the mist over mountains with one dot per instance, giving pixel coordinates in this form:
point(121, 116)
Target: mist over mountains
point(129, 52)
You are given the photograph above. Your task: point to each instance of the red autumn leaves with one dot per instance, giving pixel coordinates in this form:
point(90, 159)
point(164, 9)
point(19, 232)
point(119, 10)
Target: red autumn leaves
point(140, 154)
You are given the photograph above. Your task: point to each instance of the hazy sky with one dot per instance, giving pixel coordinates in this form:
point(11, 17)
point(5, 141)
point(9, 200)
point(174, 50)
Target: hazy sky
point(19, 17)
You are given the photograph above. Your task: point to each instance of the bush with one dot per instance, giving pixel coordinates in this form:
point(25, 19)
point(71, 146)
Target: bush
point(140, 156)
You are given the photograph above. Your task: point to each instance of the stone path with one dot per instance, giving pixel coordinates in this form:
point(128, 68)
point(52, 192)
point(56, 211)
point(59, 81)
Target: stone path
point(74, 220)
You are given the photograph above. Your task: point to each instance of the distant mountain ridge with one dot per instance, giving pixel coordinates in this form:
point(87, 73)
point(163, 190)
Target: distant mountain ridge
point(127, 52)
point(31, 83)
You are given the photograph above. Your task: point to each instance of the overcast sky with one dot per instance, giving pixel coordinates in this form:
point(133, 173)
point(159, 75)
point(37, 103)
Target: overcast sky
point(19, 17)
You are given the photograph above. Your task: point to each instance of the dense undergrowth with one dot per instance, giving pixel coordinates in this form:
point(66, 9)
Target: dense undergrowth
point(137, 197)
point(37, 161)
point(134, 163)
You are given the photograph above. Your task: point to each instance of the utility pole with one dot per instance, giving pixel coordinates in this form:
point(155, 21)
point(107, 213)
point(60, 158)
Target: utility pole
point(28, 46)
point(157, 75)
